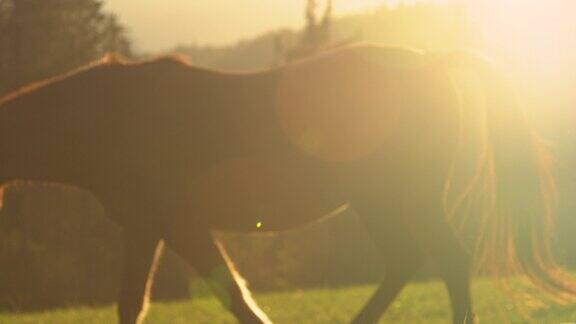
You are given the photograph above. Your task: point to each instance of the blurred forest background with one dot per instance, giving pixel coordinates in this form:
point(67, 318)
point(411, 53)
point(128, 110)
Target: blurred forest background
point(56, 246)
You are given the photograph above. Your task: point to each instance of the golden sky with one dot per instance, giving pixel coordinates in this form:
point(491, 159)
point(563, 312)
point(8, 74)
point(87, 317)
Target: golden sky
point(157, 25)
point(533, 30)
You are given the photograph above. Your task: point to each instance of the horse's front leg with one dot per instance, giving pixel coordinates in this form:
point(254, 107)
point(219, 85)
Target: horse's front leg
point(212, 263)
point(141, 254)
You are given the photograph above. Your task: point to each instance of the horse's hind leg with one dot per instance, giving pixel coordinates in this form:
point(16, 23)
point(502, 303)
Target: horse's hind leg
point(140, 258)
point(440, 242)
point(402, 258)
point(212, 263)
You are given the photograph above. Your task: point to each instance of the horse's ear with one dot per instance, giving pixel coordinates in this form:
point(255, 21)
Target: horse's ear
point(112, 58)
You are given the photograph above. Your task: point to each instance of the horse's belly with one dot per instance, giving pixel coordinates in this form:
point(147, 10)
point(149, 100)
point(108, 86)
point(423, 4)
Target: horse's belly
point(264, 194)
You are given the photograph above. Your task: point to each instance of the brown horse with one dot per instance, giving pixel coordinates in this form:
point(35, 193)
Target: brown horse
point(174, 151)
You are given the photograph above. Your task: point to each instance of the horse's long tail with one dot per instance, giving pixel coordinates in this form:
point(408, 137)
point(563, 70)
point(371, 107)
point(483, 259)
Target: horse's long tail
point(513, 186)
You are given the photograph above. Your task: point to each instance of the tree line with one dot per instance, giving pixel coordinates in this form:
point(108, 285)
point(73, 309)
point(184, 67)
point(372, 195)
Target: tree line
point(40, 38)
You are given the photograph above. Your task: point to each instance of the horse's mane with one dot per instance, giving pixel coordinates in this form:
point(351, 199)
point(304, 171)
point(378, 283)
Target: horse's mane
point(114, 60)
point(109, 60)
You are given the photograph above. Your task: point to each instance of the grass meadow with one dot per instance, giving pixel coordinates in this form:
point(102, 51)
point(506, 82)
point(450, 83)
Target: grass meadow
point(421, 302)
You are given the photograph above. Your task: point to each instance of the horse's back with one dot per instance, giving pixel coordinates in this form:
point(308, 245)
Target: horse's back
point(358, 101)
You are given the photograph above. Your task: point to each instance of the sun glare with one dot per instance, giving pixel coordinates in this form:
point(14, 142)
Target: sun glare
point(529, 32)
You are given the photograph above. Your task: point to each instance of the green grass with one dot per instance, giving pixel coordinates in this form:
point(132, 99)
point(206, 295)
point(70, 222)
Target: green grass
point(419, 303)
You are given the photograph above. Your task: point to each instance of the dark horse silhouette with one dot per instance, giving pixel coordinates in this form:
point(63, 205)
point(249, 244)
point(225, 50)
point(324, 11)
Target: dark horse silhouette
point(174, 151)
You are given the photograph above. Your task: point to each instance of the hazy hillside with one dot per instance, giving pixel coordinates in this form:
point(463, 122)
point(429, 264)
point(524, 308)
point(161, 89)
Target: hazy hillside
point(423, 26)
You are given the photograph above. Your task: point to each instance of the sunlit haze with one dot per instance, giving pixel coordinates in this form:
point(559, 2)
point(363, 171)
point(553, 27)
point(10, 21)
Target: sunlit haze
point(526, 28)
point(161, 24)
